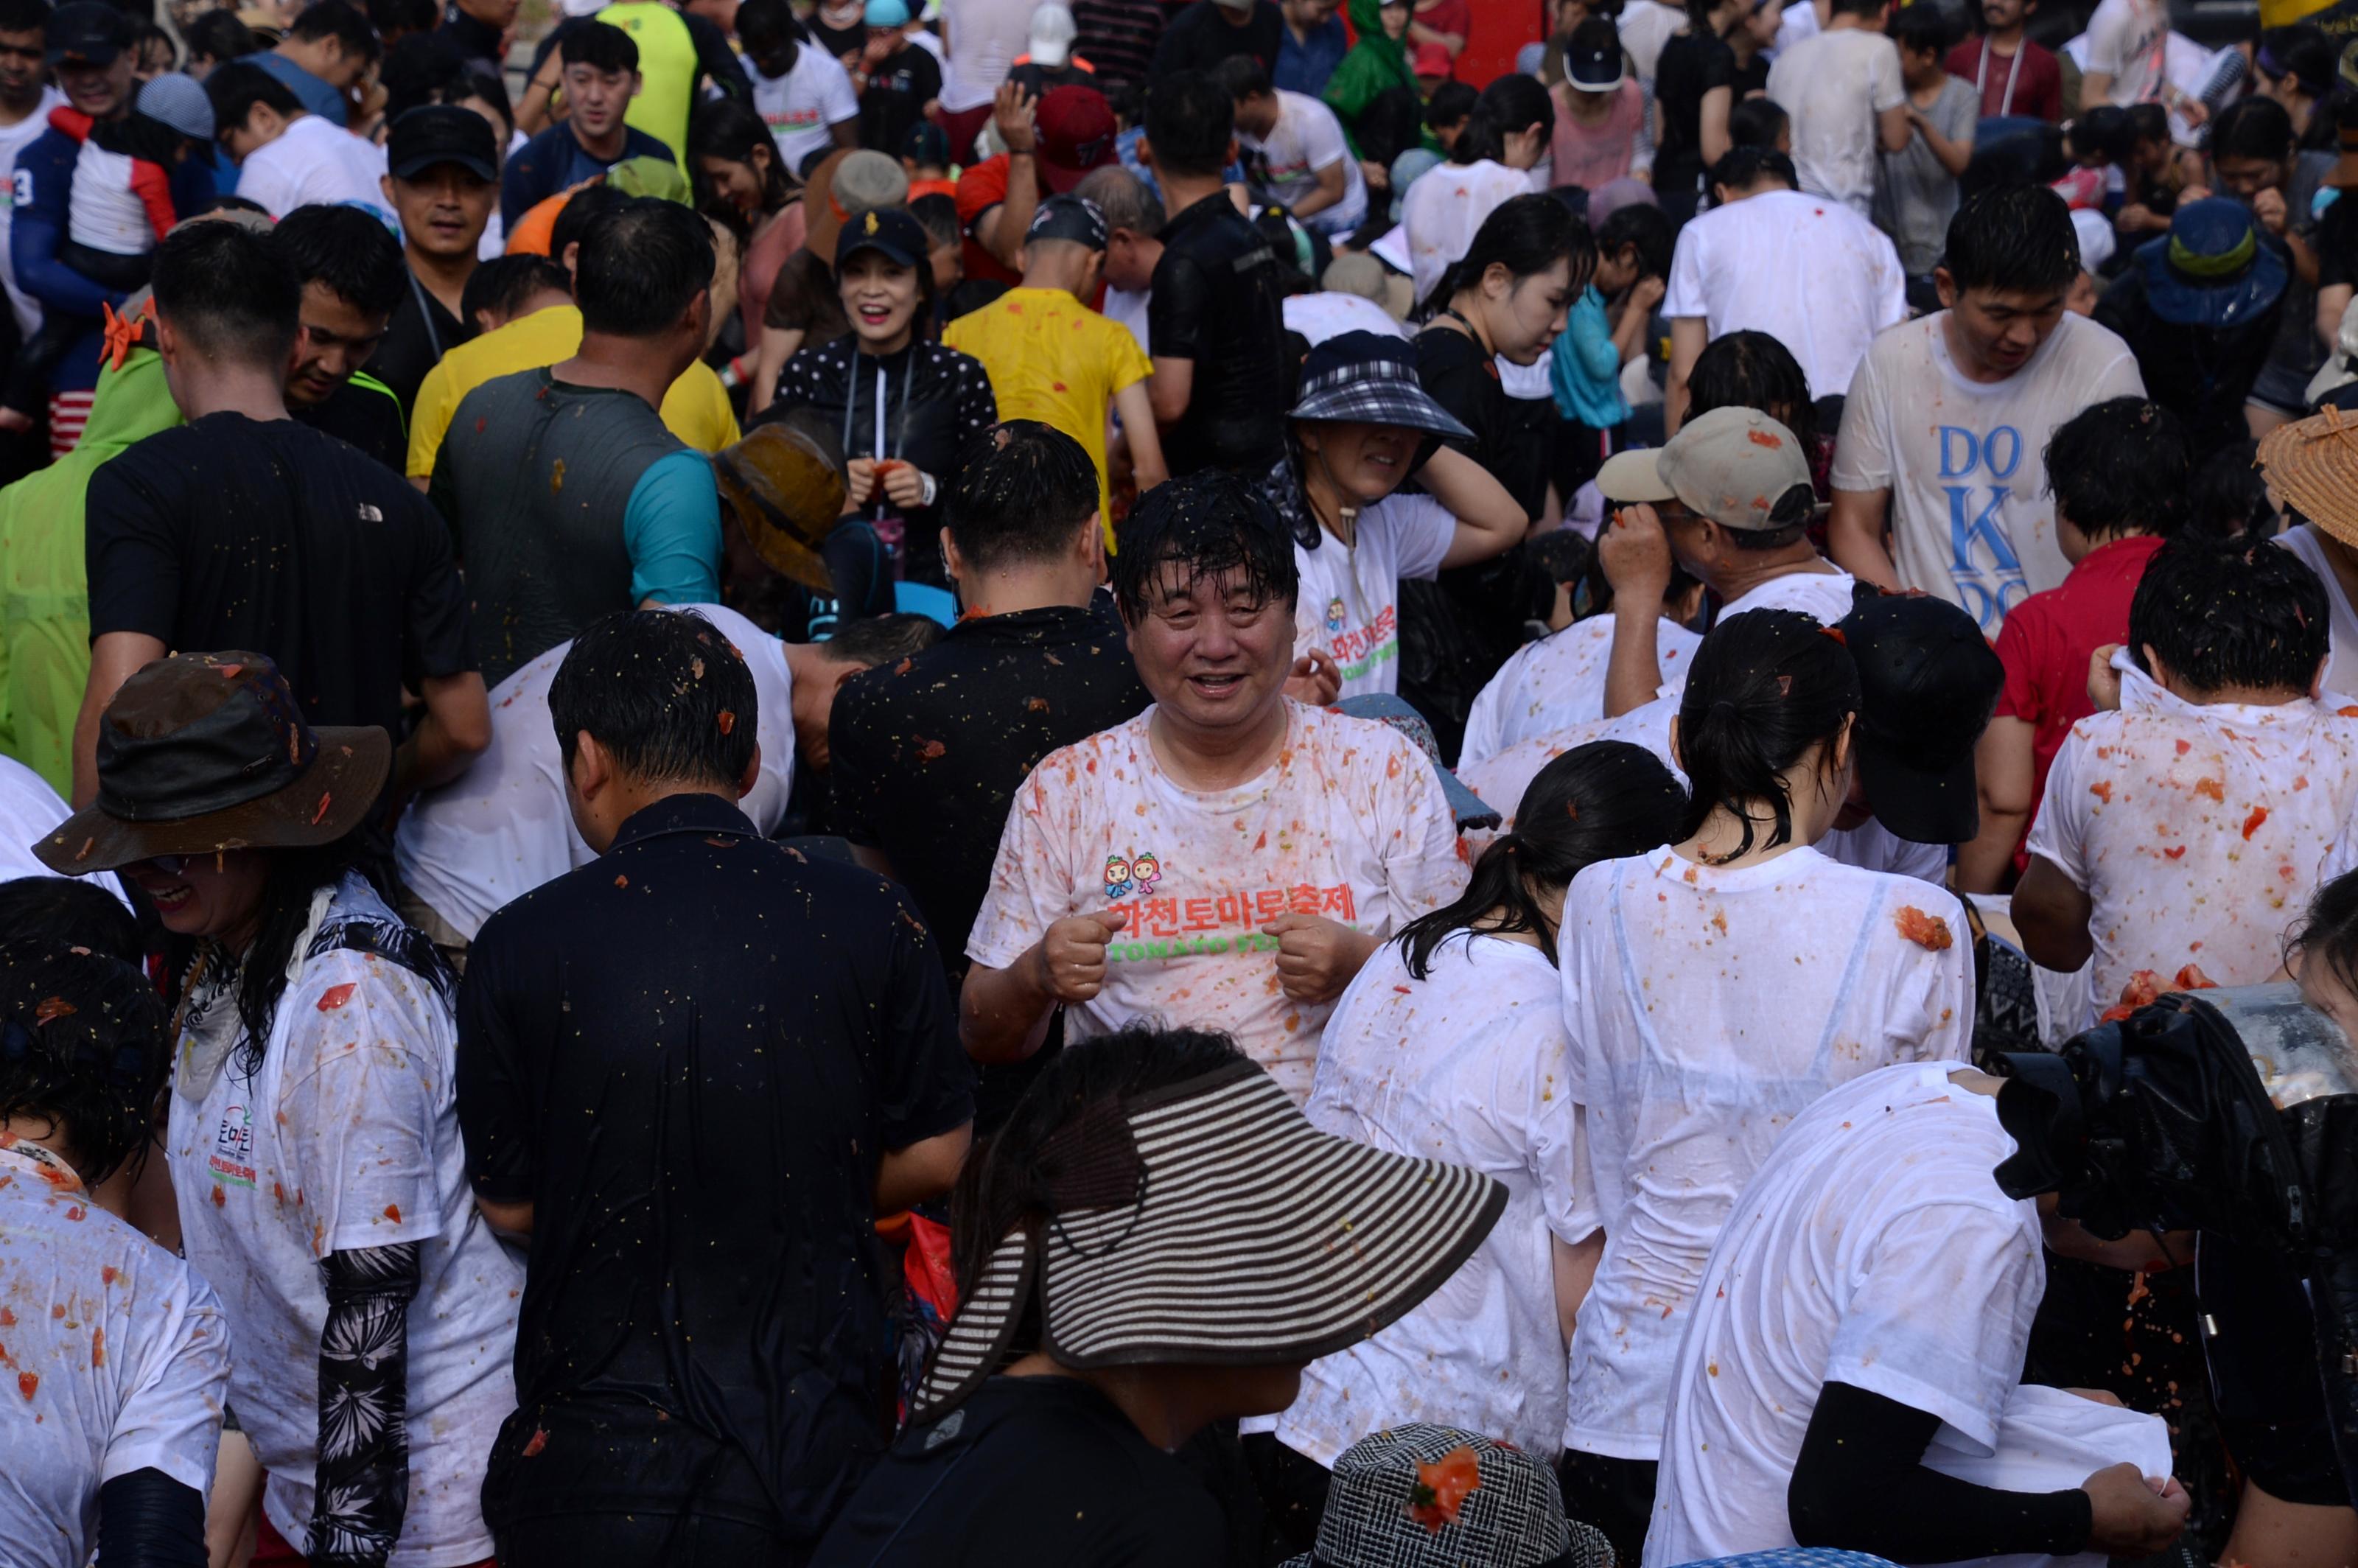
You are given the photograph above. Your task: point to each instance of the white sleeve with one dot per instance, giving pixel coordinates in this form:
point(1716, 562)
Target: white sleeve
point(1863, 457)
point(1884, 85)
point(1930, 1016)
point(1486, 720)
point(1416, 837)
point(1560, 1164)
point(1422, 530)
point(1934, 1322)
point(1322, 134)
point(1891, 286)
point(264, 185)
point(1780, 80)
point(1030, 887)
point(171, 1416)
point(2121, 379)
point(2105, 28)
point(837, 103)
point(2060, 834)
point(1689, 269)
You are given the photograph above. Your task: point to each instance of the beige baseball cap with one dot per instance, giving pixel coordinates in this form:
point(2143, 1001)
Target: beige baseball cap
point(1734, 466)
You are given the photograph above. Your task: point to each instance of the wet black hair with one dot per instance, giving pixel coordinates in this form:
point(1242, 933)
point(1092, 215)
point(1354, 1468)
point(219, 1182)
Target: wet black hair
point(2106, 129)
point(229, 291)
point(1007, 1182)
point(2229, 495)
point(1915, 28)
point(1647, 228)
point(663, 692)
point(770, 35)
point(1752, 370)
point(84, 1042)
point(2149, 122)
point(726, 128)
point(1244, 77)
point(347, 23)
point(2327, 931)
point(1512, 102)
point(2253, 127)
point(1451, 102)
point(641, 265)
point(1022, 491)
point(236, 87)
point(1598, 802)
point(397, 19)
point(2302, 51)
point(580, 210)
point(216, 36)
point(1206, 524)
point(290, 878)
point(1190, 121)
point(1757, 123)
point(602, 46)
point(345, 251)
point(502, 285)
point(937, 214)
point(69, 913)
point(2245, 613)
point(1527, 236)
point(2118, 468)
point(873, 640)
point(1764, 688)
point(2015, 239)
point(1741, 168)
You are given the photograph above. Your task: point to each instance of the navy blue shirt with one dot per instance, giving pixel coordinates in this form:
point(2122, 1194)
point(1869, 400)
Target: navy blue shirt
point(690, 1055)
point(1305, 67)
point(556, 159)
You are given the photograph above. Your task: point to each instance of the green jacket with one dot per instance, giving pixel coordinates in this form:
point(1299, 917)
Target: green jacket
point(44, 593)
point(1374, 65)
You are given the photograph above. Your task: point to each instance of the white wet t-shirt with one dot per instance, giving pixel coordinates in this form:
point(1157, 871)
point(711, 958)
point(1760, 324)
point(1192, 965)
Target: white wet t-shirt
point(1559, 681)
point(2198, 832)
point(1467, 1066)
point(803, 107)
point(1349, 823)
point(1348, 602)
point(1707, 1009)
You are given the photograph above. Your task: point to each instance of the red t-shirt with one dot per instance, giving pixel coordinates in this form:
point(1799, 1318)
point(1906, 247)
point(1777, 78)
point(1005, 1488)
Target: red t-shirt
point(980, 188)
point(2038, 82)
point(2049, 638)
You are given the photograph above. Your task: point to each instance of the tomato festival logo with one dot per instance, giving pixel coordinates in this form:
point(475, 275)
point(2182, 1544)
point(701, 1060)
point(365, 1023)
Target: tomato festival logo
point(232, 1156)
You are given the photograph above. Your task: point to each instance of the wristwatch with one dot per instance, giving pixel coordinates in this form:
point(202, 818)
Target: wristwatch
point(927, 488)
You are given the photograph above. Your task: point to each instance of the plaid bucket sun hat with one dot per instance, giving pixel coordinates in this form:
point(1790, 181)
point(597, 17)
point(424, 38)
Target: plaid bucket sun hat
point(1370, 379)
point(1418, 1496)
point(1210, 1224)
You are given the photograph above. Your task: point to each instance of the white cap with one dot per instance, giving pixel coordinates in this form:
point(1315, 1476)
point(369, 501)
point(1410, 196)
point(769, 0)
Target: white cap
point(1053, 33)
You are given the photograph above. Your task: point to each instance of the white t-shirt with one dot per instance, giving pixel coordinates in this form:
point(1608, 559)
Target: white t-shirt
point(1970, 518)
point(1834, 85)
point(1466, 1065)
point(1349, 600)
point(2199, 831)
point(1318, 317)
point(801, 107)
point(113, 1358)
point(1871, 1247)
point(346, 1138)
point(29, 811)
point(2129, 41)
point(986, 37)
point(1646, 25)
point(1796, 22)
point(501, 827)
point(15, 139)
point(314, 161)
point(1443, 210)
point(1128, 308)
point(1348, 823)
point(1806, 270)
point(1872, 847)
point(1708, 1007)
point(1306, 139)
point(2341, 655)
point(1559, 681)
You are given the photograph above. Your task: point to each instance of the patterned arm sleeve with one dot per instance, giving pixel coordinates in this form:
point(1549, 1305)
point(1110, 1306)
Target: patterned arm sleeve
point(363, 1462)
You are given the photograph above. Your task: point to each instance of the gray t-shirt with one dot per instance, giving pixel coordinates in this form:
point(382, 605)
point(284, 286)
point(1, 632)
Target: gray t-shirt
point(1914, 196)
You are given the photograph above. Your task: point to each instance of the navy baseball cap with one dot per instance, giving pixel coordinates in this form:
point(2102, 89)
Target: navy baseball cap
point(888, 230)
point(89, 32)
point(441, 132)
point(1073, 218)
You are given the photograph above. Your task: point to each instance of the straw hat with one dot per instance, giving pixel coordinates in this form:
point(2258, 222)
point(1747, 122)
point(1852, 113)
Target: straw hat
point(2313, 464)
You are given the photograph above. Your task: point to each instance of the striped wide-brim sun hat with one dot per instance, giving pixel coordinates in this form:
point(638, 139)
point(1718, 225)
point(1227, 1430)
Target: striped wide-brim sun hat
point(1210, 1223)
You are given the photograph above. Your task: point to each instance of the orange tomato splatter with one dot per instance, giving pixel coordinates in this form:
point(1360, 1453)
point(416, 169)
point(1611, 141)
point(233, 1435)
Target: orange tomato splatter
point(2177, 854)
point(1927, 931)
point(1442, 1487)
point(2103, 790)
point(28, 1383)
point(52, 1007)
point(335, 997)
point(2215, 788)
point(2252, 823)
point(538, 1440)
point(392, 1212)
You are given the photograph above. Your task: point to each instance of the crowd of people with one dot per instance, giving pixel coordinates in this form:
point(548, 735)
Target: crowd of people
point(1118, 783)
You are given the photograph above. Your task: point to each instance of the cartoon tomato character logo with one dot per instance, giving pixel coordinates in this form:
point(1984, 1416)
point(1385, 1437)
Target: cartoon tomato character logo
point(1334, 617)
point(1116, 876)
point(1147, 870)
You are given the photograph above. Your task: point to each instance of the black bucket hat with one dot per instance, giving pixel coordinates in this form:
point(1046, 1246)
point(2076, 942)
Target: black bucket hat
point(201, 752)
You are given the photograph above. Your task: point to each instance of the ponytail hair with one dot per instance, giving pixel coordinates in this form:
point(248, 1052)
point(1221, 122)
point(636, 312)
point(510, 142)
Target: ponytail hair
point(1513, 102)
point(1599, 802)
point(1763, 689)
point(1527, 236)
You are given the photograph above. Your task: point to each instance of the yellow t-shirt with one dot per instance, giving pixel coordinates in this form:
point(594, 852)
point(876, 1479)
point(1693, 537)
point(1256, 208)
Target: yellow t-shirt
point(696, 408)
point(1053, 359)
point(667, 71)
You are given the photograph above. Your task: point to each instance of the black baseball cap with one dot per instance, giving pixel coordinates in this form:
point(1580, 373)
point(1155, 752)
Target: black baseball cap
point(1073, 218)
point(1928, 682)
point(1596, 69)
point(441, 132)
point(888, 230)
point(89, 30)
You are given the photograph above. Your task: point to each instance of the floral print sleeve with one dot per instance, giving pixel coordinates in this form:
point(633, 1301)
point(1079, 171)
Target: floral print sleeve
point(363, 1463)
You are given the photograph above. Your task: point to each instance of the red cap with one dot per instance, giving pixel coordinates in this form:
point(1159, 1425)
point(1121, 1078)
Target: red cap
point(1433, 59)
point(1076, 133)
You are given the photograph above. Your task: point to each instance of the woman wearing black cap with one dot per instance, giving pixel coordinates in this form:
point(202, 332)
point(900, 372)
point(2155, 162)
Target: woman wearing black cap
point(904, 403)
point(314, 1135)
